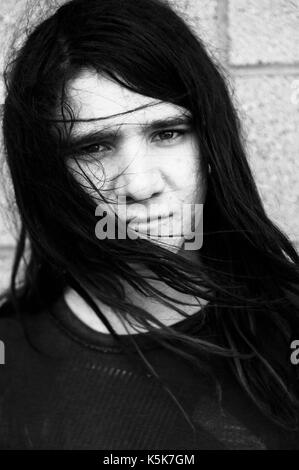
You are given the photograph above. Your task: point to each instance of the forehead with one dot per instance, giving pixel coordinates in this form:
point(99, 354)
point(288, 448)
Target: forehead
point(94, 96)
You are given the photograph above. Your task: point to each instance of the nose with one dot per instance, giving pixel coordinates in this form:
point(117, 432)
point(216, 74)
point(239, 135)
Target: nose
point(139, 177)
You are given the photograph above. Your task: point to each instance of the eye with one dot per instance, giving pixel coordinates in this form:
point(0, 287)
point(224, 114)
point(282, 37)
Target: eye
point(95, 148)
point(169, 134)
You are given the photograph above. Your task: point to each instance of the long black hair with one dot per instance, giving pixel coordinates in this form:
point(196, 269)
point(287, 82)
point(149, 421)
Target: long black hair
point(247, 268)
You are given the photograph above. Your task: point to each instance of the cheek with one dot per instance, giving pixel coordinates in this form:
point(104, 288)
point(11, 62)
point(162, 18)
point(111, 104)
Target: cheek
point(184, 169)
point(88, 174)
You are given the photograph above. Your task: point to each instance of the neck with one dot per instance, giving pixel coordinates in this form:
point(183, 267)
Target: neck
point(166, 314)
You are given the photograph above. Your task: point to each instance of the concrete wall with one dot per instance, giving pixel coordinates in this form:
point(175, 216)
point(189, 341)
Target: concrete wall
point(257, 42)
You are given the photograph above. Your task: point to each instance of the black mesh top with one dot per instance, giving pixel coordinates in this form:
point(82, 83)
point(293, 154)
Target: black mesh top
point(66, 386)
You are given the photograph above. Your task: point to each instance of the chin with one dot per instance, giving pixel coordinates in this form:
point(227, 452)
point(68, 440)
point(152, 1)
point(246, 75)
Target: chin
point(171, 244)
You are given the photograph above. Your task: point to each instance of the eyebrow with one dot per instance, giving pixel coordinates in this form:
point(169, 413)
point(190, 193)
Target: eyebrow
point(113, 132)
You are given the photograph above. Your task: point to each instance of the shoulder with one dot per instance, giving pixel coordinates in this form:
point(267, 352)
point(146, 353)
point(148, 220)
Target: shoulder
point(12, 340)
point(10, 327)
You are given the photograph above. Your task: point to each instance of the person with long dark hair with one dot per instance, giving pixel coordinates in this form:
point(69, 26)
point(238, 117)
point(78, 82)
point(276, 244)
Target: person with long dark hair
point(139, 342)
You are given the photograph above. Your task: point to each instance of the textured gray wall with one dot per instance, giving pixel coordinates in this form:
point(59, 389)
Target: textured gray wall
point(257, 42)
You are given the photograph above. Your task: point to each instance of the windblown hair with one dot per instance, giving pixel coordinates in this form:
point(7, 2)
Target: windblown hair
point(247, 269)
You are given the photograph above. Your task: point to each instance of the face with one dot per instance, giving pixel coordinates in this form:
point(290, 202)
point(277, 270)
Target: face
point(140, 153)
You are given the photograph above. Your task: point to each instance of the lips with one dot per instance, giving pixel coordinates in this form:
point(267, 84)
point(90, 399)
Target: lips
point(149, 219)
